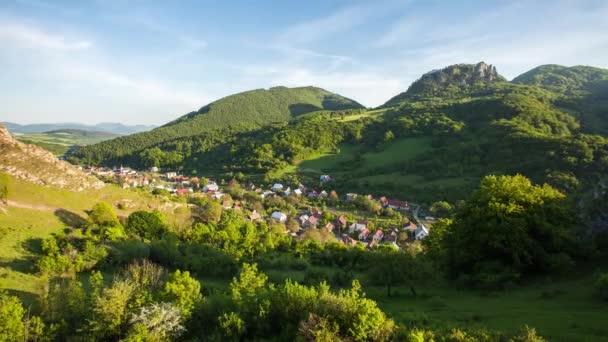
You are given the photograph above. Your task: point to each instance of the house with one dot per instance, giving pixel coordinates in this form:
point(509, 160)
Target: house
point(277, 187)
point(303, 219)
point(348, 241)
point(255, 216)
point(383, 201)
point(357, 226)
point(323, 194)
point(341, 221)
point(364, 234)
point(287, 192)
point(298, 192)
point(267, 194)
point(316, 211)
point(171, 175)
point(181, 192)
point(378, 236)
point(329, 227)
point(325, 178)
point(350, 197)
point(313, 194)
point(392, 237)
point(398, 205)
point(279, 216)
point(154, 169)
point(421, 232)
point(312, 221)
point(217, 195)
point(211, 187)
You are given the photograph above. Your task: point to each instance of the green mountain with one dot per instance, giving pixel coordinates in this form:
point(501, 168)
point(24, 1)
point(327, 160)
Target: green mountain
point(436, 140)
point(582, 90)
point(449, 82)
point(236, 113)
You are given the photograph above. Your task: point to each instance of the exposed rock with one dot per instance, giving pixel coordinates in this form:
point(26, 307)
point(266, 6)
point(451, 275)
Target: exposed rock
point(441, 82)
point(36, 165)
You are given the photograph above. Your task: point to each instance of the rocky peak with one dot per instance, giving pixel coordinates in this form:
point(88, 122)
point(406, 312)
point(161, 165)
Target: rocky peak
point(485, 72)
point(36, 165)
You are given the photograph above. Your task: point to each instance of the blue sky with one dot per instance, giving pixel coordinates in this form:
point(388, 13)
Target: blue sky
point(152, 61)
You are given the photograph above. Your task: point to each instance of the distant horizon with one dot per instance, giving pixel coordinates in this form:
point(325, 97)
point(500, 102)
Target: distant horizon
point(152, 62)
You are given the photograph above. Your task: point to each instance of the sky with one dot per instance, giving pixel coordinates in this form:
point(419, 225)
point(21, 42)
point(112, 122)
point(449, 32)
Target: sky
point(149, 62)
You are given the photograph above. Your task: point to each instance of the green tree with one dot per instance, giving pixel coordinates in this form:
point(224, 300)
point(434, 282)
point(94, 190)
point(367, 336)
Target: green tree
point(103, 215)
point(111, 310)
point(4, 187)
point(509, 228)
point(184, 291)
point(12, 327)
point(145, 224)
point(441, 209)
point(250, 280)
point(212, 212)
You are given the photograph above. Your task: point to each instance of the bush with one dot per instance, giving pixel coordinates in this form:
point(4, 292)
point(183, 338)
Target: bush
point(601, 286)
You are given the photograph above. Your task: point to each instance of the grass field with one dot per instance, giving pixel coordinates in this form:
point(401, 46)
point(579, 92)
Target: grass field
point(564, 310)
point(398, 151)
point(368, 114)
point(36, 212)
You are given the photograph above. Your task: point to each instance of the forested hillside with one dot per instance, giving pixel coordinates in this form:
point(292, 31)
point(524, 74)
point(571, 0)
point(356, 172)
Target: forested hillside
point(449, 129)
point(236, 113)
point(582, 90)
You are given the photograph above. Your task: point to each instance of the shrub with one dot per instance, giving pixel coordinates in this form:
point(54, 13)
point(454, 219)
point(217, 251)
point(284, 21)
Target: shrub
point(601, 286)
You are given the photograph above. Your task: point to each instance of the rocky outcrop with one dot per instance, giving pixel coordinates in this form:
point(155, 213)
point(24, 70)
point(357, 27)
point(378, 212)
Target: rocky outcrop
point(36, 165)
point(443, 82)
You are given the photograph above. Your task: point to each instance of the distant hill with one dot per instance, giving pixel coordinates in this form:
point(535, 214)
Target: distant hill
point(107, 127)
point(35, 165)
point(448, 82)
point(235, 113)
point(60, 141)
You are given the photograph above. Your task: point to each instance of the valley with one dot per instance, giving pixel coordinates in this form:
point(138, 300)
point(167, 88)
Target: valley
point(467, 208)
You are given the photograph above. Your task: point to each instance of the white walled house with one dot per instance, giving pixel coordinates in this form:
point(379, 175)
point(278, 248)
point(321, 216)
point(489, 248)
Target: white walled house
point(279, 217)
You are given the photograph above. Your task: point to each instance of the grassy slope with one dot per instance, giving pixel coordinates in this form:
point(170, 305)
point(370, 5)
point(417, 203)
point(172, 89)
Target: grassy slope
point(22, 228)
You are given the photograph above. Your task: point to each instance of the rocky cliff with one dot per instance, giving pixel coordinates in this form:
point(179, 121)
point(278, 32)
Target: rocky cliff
point(36, 165)
point(447, 81)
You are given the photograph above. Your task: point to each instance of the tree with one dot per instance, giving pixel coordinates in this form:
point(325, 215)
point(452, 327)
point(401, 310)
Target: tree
point(441, 209)
point(248, 282)
point(509, 228)
point(4, 187)
point(110, 310)
point(293, 225)
point(156, 322)
point(103, 215)
point(11, 318)
point(184, 291)
point(392, 267)
point(212, 212)
point(145, 224)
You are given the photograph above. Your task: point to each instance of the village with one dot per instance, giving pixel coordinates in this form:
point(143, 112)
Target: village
point(318, 210)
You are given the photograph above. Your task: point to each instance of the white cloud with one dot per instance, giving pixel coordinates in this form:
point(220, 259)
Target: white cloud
point(31, 37)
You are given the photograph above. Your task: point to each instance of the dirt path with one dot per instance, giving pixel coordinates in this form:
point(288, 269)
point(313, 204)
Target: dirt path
point(30, 206)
